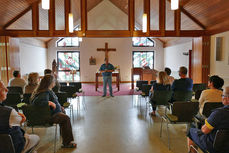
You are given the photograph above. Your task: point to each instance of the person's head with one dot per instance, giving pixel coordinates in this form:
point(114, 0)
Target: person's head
point(215, 82)
point(47, 72)
point(225, 96)
point(3, 92)
point(168, 70)
point(106, 61)
point(183, 71)
point(33, 78)
point(162, 78)
point(47, 83)
point(16, 74)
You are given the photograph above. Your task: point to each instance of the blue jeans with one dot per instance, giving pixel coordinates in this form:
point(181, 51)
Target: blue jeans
point(107, 79)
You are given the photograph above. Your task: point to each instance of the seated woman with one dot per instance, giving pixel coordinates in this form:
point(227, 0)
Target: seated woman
point(44, 95)
point(218, 120)
point(213, 94)
point(33, 81)
point(10, 121)
point(161, 84)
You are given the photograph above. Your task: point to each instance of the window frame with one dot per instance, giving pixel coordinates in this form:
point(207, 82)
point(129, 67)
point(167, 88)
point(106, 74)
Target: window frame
point(140, 52)
point(65, 46)
point(145, 46)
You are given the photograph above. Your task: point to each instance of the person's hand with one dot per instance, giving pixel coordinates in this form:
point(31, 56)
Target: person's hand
point(23, 117)
point(52, 104)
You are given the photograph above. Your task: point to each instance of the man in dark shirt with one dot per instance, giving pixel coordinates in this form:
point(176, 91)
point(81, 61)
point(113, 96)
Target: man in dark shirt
point(106, 69)
point(218, 120)
point(184, 83)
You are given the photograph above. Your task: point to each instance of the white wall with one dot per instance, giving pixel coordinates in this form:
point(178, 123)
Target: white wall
point(122, 57)
point(220, 68)
point(32, 58)
point(174, 58)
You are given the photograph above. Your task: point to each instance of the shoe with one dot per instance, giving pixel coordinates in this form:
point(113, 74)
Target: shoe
point(112, 95)
point(70, 145)
point(103, 95)
point(152, 114)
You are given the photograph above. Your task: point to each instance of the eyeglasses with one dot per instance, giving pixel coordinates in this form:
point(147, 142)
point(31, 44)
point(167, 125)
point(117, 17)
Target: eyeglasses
point(225, 96)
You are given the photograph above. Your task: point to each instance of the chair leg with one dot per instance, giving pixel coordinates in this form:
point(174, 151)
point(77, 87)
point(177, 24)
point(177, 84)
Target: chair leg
point(71, 109)
point(146, 110)
point(168, 135)
point(161, 126)
point(55, 139)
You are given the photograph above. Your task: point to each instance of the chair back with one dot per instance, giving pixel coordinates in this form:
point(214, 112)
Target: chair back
point(185, 111)
point(182, 95)
point(6, 145)
point(26, 98)
point(161, 97)
point(152, 82)
point(70, 90)
point(77, 85)
point(199, 86)
point(63, 83)
point(12, 99)
point(209, 107)
point(139, 83)
point(197, 94)
point(221, 141)
point(62, 97)
point(37, 115)
point(145, 89)
point(15, 89)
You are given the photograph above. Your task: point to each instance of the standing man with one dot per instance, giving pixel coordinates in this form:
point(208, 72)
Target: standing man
point(106, 69)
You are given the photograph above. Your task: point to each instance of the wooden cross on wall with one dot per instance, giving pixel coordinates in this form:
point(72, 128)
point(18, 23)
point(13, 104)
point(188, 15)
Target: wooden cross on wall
point(106, 50)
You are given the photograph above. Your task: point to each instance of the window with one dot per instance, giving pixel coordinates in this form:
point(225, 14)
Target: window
point(68, 65)
point(143, 59)
point(142, 42)
point(68, 42)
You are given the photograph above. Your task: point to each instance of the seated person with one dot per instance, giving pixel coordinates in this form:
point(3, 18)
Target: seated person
point(218, 120)
point(168, 71)
point(10, 121)
point(213, 94)
point(184, 83)
point(56, 88)
point(161, 84)
point(44, 95)
point(33, 81)
point(17, 80)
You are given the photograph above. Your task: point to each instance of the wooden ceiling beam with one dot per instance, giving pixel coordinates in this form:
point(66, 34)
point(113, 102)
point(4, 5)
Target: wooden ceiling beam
point(147, 11)
point(35, 17)
point(162, 17)
point(177, 21)
point(66, 13)
point(83, 17)
point(191, 17)
point(131, 16)
point(17, 17)
point(52, 22)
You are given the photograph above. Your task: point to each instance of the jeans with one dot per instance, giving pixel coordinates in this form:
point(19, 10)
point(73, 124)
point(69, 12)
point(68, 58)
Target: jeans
point(107, 79)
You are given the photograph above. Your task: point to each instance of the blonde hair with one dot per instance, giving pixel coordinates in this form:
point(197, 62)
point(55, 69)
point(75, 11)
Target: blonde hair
point(33, 78)
point(163, 78)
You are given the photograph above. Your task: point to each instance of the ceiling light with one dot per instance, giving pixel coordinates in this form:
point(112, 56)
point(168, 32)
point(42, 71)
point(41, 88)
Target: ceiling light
point(71, 26)
point(45, 4)
point(144, 23)
point(174, 4)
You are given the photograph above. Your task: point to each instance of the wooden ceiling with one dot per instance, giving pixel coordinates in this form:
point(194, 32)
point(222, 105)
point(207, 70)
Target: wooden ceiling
point(195, 14)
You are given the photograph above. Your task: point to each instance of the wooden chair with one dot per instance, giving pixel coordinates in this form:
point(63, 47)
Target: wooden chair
point(39, 116)
point(182, 113)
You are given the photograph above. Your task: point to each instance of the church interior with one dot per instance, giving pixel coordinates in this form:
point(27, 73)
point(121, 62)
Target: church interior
point(140, 38)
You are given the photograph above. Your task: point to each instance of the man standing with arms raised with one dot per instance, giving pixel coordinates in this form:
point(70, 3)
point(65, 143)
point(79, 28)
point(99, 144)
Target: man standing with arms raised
point(106, 69)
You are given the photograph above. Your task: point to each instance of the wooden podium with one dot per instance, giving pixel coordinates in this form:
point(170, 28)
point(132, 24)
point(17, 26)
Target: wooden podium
point(145, 74)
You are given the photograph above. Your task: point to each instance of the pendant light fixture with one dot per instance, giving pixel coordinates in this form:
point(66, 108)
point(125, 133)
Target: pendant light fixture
point(70, 19)
point(144, 23)
point(45, 4)
point(174, 4)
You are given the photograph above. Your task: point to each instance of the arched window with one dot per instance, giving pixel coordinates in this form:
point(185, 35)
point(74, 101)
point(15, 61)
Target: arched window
point(143, 42)
point(68, 42)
